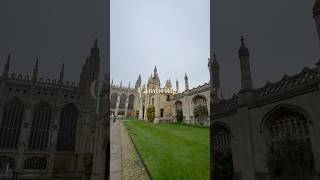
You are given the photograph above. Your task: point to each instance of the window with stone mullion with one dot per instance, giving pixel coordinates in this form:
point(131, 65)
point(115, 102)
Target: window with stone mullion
point(11, 125)
point(40, 128)
point(66, 137)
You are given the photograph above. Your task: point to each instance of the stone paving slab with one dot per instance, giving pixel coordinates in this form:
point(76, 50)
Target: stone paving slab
point(115, 150)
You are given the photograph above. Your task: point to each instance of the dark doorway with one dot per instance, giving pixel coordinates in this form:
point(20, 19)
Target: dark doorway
point(161, 112)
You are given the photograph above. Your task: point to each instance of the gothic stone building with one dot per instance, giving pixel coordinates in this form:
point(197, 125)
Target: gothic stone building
point(134, 101)
point(46, 126)
point(254, 122)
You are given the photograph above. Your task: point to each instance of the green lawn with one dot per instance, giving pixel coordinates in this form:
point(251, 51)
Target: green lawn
point(172, 151)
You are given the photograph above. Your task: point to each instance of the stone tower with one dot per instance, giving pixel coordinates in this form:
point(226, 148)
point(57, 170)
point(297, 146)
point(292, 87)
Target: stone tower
point(177, 85)
point(90, 70)
point(246, 80)
point(186, 82)
point(214, 70)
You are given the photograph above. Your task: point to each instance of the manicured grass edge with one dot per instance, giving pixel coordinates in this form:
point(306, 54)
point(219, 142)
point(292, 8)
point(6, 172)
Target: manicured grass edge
point(135, 147)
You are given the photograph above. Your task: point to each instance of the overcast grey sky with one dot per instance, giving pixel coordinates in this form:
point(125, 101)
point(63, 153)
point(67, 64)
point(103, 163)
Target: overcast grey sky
point(175, 35)
point(56, 31)
point(281, 36)
point(172, 34)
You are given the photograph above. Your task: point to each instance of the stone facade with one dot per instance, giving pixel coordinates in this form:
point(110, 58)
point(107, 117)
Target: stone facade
point(47, 126)
point(165, 103)
point(253, 121)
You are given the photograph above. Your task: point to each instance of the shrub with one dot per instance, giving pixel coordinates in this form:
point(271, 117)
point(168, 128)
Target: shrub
point(151, 113)
point(179, 115)
point(201, 113)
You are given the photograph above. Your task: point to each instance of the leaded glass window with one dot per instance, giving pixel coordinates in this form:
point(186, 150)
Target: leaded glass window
point(11, 124)
point(40, 127)
point(67, 128)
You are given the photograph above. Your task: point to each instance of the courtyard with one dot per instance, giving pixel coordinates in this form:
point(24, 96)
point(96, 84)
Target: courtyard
point(171, 151)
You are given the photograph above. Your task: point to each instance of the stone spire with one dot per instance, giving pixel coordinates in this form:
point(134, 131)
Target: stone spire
point(7, 67)
point(129, 86)
point(121, 84)
point(186, 82)
point(316, 16)
point(35, 71)
point(155, 71)
point(246, 80)
point(61, 76)
point(94, 50)
point(138, 82)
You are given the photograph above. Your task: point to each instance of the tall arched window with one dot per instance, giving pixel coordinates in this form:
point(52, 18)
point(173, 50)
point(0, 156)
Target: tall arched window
point(288, 134)
point(222, 152)
point(113, 100)
point(67, 128)
point(11, 124)
point(40, 127)
point(123, 99)
point(221, 140)
point(286, 124)
point(131, 102)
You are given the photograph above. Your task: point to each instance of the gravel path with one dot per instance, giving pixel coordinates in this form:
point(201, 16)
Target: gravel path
point(132, 166)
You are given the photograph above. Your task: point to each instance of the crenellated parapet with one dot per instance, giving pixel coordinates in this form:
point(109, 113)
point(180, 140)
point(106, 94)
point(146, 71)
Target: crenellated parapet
point(306, 81)
point(200, 89)
point(44, 81)
point(193, 91)
point(226, 107)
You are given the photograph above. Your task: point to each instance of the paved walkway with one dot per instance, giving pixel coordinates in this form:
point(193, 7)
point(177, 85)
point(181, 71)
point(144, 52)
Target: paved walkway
point(115, 150)
point(132, 165)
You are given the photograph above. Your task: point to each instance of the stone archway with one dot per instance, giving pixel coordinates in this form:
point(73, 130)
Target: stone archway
point(200, 110)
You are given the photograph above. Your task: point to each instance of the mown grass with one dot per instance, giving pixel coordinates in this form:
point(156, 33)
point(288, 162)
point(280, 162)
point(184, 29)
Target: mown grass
point(172, 151)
